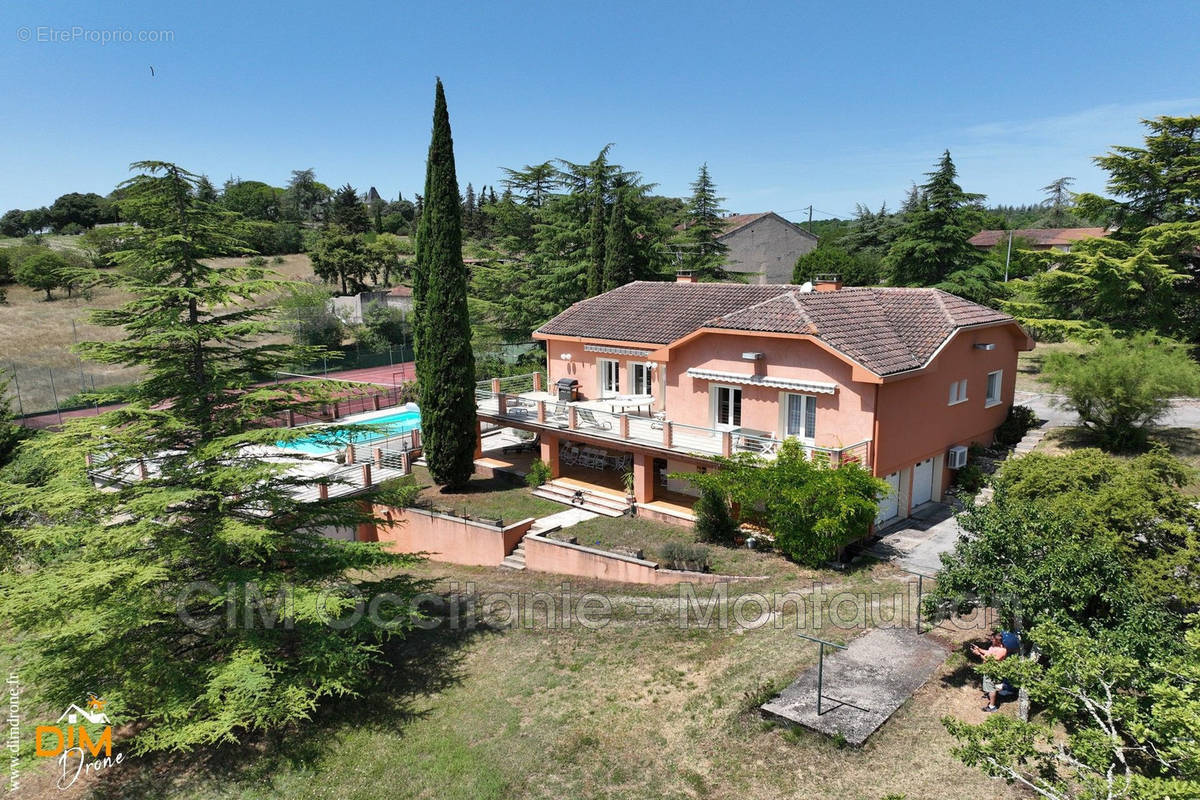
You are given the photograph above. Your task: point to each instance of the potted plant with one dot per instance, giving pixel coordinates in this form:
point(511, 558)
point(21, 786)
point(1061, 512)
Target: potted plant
point(627, 479)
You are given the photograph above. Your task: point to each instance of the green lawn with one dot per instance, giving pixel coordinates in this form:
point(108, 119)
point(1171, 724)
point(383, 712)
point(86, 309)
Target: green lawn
point(490, 498)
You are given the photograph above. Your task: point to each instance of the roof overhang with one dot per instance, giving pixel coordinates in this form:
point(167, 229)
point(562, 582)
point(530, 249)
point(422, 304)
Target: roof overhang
point(819, 387)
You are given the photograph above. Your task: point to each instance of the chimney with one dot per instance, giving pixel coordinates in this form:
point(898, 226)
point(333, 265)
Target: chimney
point(827, 283)
point(685, 276)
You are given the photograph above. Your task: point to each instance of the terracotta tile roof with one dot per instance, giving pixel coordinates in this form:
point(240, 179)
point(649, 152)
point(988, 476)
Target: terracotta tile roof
point(735, 221)
point(886, 330)
point(400, 291)
point(1041, 237)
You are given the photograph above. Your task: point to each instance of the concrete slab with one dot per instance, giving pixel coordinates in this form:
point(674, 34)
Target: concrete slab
point(916, 544)
point(863, 684)
point(563, 519)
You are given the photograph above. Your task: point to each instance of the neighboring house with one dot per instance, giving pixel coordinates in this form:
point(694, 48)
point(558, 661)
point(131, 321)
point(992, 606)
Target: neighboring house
point(764, 247)
point(349, 308)
point(1060, 239)
point(671, 374)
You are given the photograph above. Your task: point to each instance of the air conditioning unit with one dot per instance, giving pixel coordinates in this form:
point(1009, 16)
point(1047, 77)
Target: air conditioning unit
point(752, 356)
point(957, 457)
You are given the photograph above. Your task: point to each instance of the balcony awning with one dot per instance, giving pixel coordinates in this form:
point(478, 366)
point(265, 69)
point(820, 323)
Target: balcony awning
point(616, 351)
point(773, 381)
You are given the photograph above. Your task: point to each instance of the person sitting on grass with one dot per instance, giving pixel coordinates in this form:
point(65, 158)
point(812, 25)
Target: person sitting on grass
point(996, 652)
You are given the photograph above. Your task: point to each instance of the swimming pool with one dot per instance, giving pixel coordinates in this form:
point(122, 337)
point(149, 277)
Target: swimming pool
point(323, 441)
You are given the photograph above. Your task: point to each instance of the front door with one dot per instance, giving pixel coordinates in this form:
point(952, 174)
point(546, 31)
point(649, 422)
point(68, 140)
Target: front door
point(922, 491)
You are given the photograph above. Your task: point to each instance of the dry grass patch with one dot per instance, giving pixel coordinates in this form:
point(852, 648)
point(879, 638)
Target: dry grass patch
point(1030, 365)
point(641, 707)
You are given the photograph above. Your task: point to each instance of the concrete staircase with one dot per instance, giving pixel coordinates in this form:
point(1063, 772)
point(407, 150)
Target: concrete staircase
point(515, 559)
point(602, 503)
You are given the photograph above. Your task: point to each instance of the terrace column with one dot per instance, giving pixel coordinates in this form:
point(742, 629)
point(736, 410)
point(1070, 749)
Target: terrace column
point(624, 426)
point(495, 386)
point(366, 475)
point(571, 417)
point(374, 402)
point(537, 381)
point(501, 404)
point(549, 447)
point(335, 410)
point(541, 411)
point(379, 457)
point(478, 439)
point(667, 433)
point(291, 418)
point(643, 478)
point(726, 444)
point(323, 491)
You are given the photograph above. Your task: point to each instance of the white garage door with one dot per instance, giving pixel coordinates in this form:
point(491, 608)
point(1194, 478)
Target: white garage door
point(922, 491)
point(889, 504)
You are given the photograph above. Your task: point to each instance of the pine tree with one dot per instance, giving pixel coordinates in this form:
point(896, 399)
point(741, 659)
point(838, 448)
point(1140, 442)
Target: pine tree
point(445, 363)
point(618, 249)
point(701, 251)
point(156, 582)
point(597, 230)
point(933, 241)
point(1059, 200)
point(348, 211)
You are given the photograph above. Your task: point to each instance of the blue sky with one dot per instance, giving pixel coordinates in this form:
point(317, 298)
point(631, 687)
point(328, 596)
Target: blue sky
point(789, 103)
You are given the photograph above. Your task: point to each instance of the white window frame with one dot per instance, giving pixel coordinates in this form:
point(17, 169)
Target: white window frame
point(646, 384)
point(603, 367)
point(989, 400)
point(958, 392)
point(714, 393)
point(808, 435)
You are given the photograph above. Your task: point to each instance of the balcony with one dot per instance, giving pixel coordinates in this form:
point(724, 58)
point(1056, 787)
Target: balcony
point(519, 400)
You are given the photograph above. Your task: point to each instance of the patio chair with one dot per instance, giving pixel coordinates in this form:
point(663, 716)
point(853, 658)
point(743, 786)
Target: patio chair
point(526, 445)
point(659, 417)
point(588, 418)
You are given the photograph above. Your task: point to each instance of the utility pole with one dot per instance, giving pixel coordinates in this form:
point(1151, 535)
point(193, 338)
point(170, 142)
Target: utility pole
point(1008, 257)
point(809, 228)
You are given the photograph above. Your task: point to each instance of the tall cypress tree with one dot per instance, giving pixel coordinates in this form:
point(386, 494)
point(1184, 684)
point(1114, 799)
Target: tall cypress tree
point(619, 253)
point(445, 362)
point(597, 231)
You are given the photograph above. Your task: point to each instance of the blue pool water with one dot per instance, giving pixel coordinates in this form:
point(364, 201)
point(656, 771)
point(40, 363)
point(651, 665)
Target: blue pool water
point(322, 441)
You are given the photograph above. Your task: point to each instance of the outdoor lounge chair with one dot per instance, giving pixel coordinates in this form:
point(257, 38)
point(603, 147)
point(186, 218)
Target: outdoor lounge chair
point(588, 418)
point(523, 446)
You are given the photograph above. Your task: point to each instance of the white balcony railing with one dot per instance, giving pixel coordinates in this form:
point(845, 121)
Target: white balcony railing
point(589, 417)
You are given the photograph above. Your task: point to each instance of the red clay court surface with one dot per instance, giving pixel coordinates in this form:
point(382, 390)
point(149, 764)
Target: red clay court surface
point(386, 376)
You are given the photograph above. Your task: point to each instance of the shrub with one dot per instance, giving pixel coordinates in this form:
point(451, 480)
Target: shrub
point(539, 473)
point(399, 493)
point(1018, 422)
point(1122, 387)
point(685, 555)
point(970, 479)
point(714, 521)
point(811, 509)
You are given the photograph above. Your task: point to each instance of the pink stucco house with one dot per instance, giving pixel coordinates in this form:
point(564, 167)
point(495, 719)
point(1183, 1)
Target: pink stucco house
point(657, 378)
